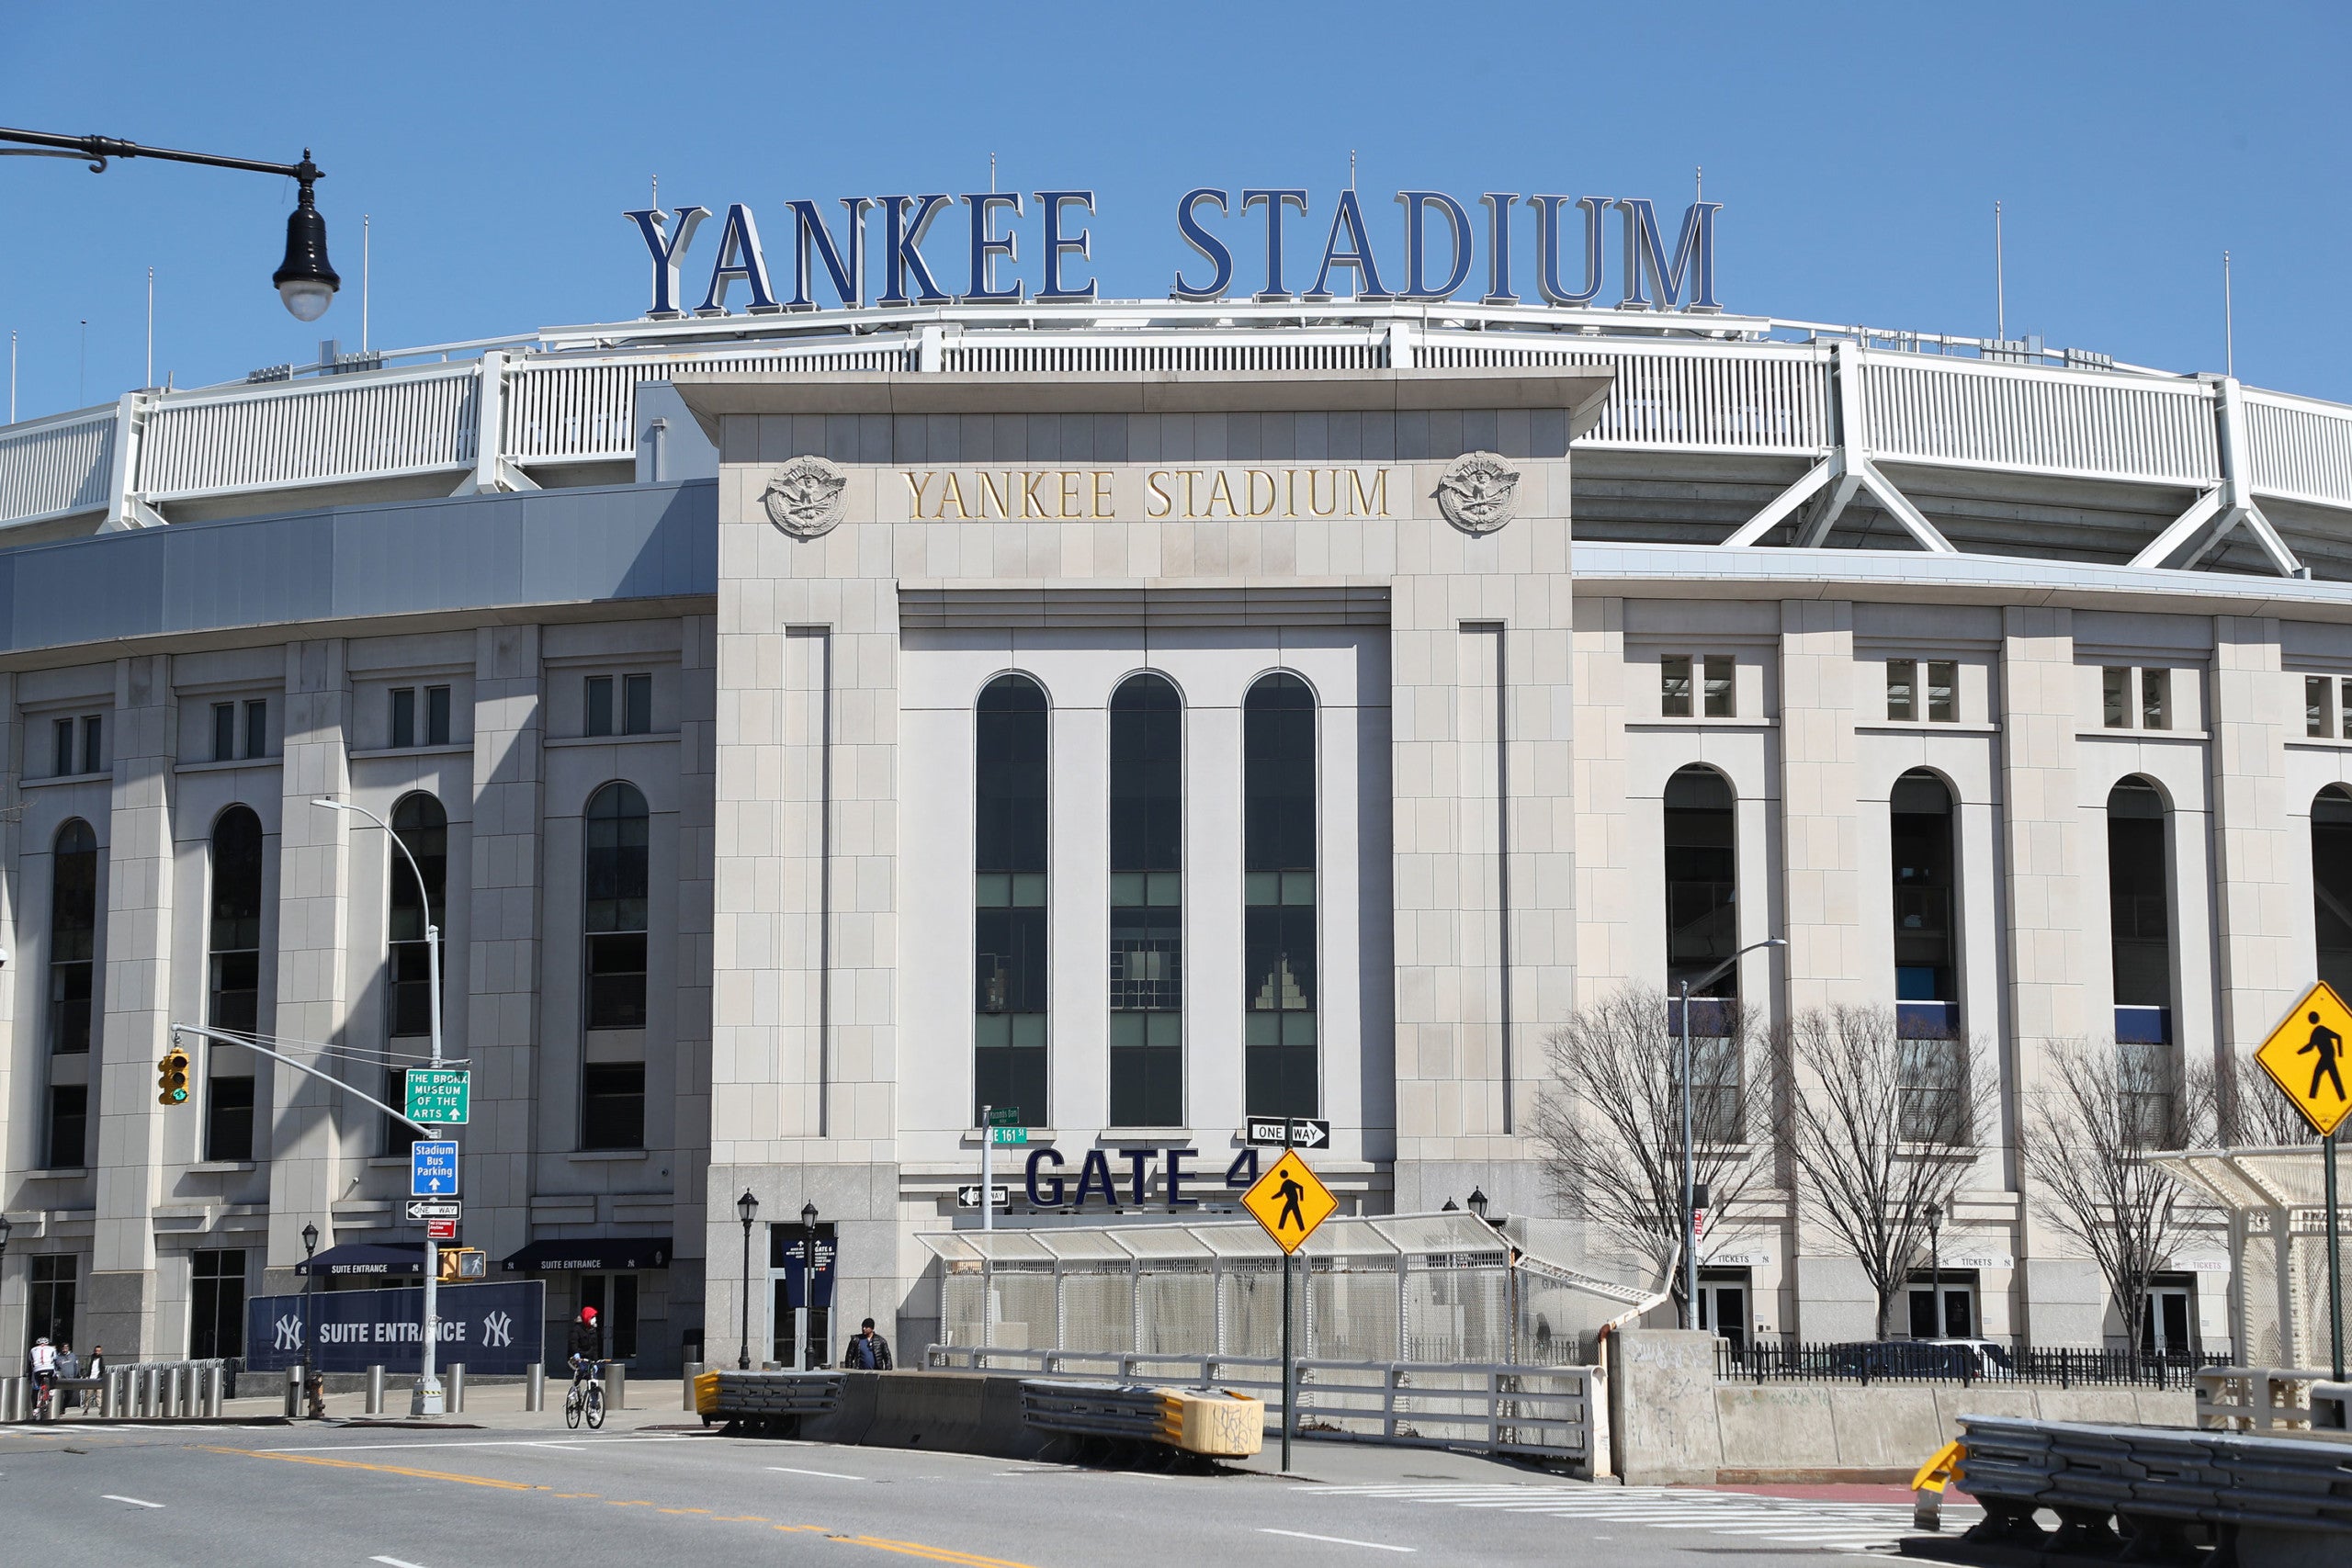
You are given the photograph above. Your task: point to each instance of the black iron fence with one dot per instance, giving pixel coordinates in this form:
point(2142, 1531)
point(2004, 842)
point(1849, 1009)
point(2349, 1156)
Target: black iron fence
point(1966, 1362)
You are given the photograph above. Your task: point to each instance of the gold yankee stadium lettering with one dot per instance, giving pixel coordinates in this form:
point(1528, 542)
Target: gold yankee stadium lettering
point(1186, 495)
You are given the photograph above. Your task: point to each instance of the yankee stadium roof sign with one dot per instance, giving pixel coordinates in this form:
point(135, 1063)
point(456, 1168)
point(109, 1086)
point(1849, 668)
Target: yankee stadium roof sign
point(1272, 229)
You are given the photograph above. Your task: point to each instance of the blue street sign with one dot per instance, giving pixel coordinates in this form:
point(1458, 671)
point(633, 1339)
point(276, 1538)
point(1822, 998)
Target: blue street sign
point(433, 1168)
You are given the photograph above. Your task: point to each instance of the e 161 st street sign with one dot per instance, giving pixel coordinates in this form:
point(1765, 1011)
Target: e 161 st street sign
point(438, 1097)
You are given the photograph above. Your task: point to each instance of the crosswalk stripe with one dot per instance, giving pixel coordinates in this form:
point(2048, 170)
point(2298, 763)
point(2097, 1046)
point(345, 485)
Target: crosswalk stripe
point(1840, 1525)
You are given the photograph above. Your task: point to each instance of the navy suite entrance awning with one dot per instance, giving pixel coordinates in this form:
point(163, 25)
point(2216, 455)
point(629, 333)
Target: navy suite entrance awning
point(367, 1259)
point(620, 1254)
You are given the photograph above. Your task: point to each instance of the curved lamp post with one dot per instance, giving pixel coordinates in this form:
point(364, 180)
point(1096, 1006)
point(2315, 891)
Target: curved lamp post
point(306, 281)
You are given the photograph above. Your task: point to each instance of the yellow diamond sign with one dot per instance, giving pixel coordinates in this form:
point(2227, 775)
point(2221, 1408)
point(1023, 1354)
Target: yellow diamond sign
point(1289, 1202)
point(2308, 1056)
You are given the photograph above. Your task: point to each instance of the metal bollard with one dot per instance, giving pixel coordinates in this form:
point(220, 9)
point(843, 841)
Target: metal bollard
point(692, 1370)
point(535, 1389)
point(294, 1392)
point(212, 1407)
point(615, 1384)
point(7, 1399)
point(376, 1389)
point(456, 1382)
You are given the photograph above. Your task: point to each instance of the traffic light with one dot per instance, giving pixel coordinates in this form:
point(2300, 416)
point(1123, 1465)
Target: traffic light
point(171, 1077)
point(460, 1264)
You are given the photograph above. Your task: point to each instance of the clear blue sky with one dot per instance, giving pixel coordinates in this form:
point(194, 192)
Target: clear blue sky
point(1857, 148)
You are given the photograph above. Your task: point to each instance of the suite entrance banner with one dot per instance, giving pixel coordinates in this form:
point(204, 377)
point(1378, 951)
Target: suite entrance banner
point(495, 1328)
point(2307, 1055)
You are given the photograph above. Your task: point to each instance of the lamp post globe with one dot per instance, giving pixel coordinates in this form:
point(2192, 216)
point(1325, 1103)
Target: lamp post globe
point(306, 280)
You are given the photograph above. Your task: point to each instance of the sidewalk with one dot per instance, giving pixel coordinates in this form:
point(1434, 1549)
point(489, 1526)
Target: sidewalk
point(652, 1403)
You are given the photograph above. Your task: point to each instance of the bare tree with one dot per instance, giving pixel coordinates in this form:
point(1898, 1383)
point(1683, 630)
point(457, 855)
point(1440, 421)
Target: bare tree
point(2252, 1114)
point(1879, 1128)
point(1609, 1123)
point(2104, 1110)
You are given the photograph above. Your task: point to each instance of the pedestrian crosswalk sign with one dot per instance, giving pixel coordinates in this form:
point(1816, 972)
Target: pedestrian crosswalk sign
point(1289, 1202)
point(2308, 1056)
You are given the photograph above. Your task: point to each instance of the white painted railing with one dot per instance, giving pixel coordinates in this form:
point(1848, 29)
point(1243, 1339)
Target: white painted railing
point(53, 468)
point(2087, 424)
point(1740, 394)
point(2301, 449)
point(368, 426)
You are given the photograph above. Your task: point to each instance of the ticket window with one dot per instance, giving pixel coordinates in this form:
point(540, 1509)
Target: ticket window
point(614, 1298)
point(2168, 1319)
point(1951, 1317)
point(1724, 1298)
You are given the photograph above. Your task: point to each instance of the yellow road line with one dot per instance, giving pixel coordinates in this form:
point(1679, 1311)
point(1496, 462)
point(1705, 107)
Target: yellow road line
point(387, 1469)
point(933, 1553)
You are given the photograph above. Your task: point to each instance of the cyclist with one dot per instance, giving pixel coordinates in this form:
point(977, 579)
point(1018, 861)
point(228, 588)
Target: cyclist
point(585, 1342)
point(43, 1360)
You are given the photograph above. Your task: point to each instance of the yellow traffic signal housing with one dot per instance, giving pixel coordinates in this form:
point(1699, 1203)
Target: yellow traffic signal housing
point(171, 1077)
point(462, 1263)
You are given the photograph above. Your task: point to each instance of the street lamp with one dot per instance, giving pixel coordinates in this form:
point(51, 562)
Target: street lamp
point(809, 1281)
point(306, 282)
point(1478, 1202)
point(749, 1207)
point(309, 1323)
point(1935, 1268)
point(426, 1399)
point(1690, 1174)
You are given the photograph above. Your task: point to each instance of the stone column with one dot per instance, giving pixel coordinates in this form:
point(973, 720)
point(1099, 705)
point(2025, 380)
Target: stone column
point(2053, 910)
point(1820, 882)
point(120, 1311)
point(2260, 860)
point(1605, 873)
point(697, 766)
point(314, 994)
point(500, 975)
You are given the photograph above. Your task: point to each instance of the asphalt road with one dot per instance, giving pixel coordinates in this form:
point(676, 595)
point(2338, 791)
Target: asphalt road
point(327, 1496)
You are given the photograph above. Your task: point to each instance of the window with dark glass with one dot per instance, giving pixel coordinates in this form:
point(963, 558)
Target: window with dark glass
point(1943, 692)
point(618, 830)
point(62, 743)
point(217, 1305)
point(1674, 685)
point(2155, 699)
point(637, 704)
point(2115, 698)
point(2139, 902)
point(1926, 991)
point(69, 1123)
point(599, 719)
point(622, 707)
point(2319, 695)
point(612, 1105)
point(429, 727)
point(73, 937)
point(1147, 1043)
point(49, 1297)
point(2332, 886)
point(257, 729)
point(1702, 930)
point(423, 828)
point(1009, 860)
point(1279, 864)
point(233, 977)
point(404, 716)
point(1722, 697)
point(224, 732)
point(1902, 683)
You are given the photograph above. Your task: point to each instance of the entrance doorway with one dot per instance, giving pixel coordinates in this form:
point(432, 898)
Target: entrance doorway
point(1724, 1297)
point(614, 1298)
point(2168, 1319)
point(788, 1248)
point(1954, 1317)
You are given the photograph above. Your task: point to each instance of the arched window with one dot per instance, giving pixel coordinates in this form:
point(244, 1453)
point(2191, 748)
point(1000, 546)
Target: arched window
point(1702, 930)
point(1147, 1043)
point(1278, 893)
point(2332, 886)
point(1009, 861)
point(2140, 946)
point(234, 980)
point(1927, 972)
point(614, 884)
point(422, 828)
point(73, 937)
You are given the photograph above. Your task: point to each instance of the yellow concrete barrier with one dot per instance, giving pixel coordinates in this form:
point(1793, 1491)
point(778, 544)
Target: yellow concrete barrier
point(1226, 1425)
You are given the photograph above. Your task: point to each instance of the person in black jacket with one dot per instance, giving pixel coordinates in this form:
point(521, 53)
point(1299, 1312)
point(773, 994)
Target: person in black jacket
point(585, 1347)
point(867, 1350)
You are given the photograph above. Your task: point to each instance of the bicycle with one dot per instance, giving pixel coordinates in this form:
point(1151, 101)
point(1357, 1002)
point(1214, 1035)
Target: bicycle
point(586, 1396)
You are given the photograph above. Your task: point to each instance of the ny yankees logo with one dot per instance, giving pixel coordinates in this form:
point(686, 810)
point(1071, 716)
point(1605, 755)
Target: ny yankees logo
point(288, 1333)
point(497, 1331)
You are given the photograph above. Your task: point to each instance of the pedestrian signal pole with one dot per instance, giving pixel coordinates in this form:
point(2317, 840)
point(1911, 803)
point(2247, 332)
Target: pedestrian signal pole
point(2335, 1266)
point(1290, 1377)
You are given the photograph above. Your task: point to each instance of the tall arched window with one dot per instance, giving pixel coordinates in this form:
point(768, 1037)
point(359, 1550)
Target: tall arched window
point(1927, 972)
point(1146, 1042)
point(1702, 930)
point(2332, 886)
point(614, 884)
point(422, 828)
point(1010, 838)
point(1278, 834)
point(73, 937)
point(234, 980)
point(2140, 947)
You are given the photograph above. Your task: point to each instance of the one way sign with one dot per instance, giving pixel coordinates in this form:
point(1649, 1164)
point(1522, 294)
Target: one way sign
point(433, 1168)
point(1299, 1132)
point(969, 1197)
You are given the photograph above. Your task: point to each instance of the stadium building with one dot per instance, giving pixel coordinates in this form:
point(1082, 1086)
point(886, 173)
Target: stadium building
point(816, 726)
